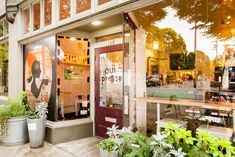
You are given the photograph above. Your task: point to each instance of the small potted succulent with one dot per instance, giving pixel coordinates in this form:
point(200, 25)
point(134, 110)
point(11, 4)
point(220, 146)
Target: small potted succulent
point(37, 125)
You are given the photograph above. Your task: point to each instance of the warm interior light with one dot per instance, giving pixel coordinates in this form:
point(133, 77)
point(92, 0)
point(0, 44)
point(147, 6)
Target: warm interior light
point(96, 23)
point(127, 34)
point(155, 45)
point(72, 38)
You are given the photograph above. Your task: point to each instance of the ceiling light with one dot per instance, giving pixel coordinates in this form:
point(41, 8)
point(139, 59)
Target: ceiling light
point(72, 38)
point(155, 45)
point(96, 23)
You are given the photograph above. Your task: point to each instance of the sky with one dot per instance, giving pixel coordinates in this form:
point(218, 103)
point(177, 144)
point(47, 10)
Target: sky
point(182, 27)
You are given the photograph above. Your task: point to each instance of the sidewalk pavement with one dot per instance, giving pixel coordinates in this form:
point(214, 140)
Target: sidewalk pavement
point(79, 148)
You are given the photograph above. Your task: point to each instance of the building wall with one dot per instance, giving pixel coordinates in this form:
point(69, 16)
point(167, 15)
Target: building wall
point(2, 7)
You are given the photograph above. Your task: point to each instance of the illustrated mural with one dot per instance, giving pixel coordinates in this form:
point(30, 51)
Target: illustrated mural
point(38, 74)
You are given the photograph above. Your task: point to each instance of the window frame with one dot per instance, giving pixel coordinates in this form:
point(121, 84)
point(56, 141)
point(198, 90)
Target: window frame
point(40, 13)
point(58, 12)
point(1, 43)
point(24, 20)
point(44, 14)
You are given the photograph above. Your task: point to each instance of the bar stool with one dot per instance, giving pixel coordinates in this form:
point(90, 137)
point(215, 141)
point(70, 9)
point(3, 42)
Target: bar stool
point(60, 102)
point(80, 103)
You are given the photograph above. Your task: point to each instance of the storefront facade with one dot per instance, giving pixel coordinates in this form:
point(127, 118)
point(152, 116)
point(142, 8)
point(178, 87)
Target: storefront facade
point(119, 61)
point(42, 38)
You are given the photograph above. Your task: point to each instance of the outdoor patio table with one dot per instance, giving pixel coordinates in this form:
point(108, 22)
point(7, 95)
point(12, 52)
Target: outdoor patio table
point(228, 106)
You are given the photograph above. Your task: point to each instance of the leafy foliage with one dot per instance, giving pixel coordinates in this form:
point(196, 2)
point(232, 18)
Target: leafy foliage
point(172, 142)
point(137, 145)
point(15, 108)
point(204, 145)
point(68, 74)
point(209, 15)
point(159, 147)
point(108, 145)
point(182, 61)
point(214, 146)
point(3, 53)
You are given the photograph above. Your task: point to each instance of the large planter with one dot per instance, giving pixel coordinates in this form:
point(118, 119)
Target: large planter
point(104, 153)
point(36, 129)
point(17, 132)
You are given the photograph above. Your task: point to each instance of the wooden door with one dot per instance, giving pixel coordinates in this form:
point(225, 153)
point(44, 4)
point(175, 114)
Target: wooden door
point(109, 88)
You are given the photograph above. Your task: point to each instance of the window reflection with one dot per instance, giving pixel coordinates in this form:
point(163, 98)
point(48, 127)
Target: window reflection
point(1, 29)
point(36, 16)
point(26, 20)
point(83, 5)
point(64, 9)
point(48, 12)
point(190, 57)
point(3, 69)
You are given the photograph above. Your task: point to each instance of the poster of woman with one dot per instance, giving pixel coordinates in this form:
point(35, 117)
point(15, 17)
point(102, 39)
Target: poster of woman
point(38, 74)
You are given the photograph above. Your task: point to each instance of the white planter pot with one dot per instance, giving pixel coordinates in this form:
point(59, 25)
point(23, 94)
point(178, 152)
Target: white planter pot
point(17, 131)
point(104, 153)
point(36, 129)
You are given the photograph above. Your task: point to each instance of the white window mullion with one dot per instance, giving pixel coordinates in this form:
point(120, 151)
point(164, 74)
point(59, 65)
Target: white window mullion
point(55, 12)
point(42, 13)
point(94, 5)
point(31, 19)
point(72, 8)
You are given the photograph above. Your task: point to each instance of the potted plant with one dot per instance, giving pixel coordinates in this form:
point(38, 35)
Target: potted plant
point(115, 145)
point(13, 121)
point(37, 125)
point(108, 148)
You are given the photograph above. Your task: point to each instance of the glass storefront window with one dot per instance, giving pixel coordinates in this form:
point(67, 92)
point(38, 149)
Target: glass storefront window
point(48, 12)
point(190, 58)
point(83, 5)
point(4, 69)
point(73, 78)
point(6, 28)
point(1, 29)
point(36, 16)
point(129, 74)
point(65, 9)
point(26, 17)
point(111, 79)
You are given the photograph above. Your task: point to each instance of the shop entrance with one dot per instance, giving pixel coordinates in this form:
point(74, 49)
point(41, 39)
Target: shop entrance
point(109, 88)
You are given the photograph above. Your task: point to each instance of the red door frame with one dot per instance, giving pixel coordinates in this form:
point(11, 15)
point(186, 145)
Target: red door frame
point(104, 113)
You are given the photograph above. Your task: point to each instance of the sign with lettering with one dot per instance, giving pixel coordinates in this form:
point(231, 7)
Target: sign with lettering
point(112, 74)
point(77, 59)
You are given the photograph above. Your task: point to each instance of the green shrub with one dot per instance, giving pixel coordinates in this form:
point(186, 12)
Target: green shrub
point(172, 142)
point(108, 145)
point(15, 108)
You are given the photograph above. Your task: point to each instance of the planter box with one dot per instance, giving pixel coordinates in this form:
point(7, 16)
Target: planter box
point(104, 153)
point(36, 129)
point(17, 131)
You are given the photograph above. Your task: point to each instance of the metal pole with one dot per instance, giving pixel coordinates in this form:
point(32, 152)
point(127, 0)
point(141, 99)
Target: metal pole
point(158, 118)
point(195, 51)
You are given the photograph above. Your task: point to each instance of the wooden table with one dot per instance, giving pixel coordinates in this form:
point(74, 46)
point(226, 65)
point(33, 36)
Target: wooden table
point(184, 102)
